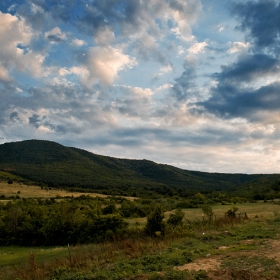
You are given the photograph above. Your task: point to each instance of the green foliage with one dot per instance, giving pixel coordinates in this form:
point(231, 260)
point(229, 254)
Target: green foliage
point(208, 212)
point(135, 209)
point(231, 213)
point(47, 222)
point(109, 209)
point(176, 219)
point(155, 225)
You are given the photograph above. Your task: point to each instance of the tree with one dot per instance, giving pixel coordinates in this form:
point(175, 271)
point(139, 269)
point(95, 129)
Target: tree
point(176, 219)
point(208, 212)
point(231, 212)
point(155, 225)
point(109, 209)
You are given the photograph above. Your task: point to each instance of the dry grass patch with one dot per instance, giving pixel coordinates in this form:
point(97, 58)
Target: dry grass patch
point(26, 191)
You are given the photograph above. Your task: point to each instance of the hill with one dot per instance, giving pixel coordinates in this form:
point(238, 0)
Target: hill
point(52, 164)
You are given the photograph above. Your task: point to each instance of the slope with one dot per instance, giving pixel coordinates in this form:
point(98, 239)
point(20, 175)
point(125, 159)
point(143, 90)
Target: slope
point(50, 163)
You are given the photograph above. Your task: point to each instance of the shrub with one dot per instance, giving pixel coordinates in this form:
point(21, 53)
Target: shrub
point(176, 219)
point(10, 182)
point(208, 212)
point(155, 225)
point(231, 212)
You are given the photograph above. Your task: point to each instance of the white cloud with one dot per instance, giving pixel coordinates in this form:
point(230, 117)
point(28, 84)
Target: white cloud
point(165, 69)
point(238, 47)
point(63, 72)
point(79, 71)
point(181, 50)
point(104, 63)
point(185, 13)
point(78, 42)
point(104, 36)
point(16, 37)
point(220, 27)
point(164, 87)
point(140, 92)
point(197, 48)
point(55, 35)
point(4, 75)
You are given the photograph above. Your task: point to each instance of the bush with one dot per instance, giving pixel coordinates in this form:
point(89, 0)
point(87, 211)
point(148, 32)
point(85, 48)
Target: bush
point(155, 225)
point(176, 219)
point(208, 212)
point(231, 212)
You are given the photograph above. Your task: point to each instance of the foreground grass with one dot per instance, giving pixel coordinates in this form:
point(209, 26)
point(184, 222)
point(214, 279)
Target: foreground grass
point(140, 257)
point(19, 255)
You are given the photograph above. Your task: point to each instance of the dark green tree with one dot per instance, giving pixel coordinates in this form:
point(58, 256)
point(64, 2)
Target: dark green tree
point(109, 209)
point(231, 212)
point(208, 212)
point(176, 219)
point(155, 225)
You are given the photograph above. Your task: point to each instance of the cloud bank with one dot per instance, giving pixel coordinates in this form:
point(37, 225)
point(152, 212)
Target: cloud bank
point(190, 83)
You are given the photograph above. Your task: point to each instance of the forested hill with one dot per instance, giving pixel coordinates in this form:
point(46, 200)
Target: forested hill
point(52, 164)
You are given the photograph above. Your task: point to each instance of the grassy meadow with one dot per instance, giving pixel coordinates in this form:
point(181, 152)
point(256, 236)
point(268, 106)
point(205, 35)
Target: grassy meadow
point(175, 256)
point(135, 256)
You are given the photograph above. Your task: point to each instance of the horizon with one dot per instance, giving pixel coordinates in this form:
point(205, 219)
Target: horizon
point(189, 83)
point(138, 159)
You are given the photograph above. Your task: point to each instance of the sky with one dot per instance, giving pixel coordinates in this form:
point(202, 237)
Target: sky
point(190, 83)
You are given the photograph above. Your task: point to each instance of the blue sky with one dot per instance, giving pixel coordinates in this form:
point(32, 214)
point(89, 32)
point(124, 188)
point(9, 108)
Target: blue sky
point(191, 83)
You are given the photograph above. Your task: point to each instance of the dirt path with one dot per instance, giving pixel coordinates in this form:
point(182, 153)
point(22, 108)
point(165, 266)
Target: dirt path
point(270, 250)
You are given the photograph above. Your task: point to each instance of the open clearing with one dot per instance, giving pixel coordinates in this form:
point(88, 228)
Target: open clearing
point(27, 191)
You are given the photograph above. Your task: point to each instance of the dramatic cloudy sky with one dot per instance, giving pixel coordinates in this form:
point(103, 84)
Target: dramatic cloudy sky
point(191, 83)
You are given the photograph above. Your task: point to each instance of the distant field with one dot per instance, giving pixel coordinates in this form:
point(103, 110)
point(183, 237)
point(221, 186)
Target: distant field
point(26, 191)
point(260, 209)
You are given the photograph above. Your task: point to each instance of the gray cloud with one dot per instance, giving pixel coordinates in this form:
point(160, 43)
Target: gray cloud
point(35, 120)
point(235, 97)
point(183, 86)
point(262, 20)
point(236, 94)
point(248, 68)
point(230, 102)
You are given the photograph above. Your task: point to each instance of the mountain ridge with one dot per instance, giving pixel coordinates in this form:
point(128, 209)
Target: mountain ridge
point(51, 163)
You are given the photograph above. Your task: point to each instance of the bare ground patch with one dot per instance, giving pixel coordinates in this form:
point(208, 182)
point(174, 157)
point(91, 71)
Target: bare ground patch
point(260, 264)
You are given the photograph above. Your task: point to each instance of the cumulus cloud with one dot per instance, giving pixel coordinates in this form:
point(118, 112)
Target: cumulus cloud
point(165, 69)
point(81, 73)
point(16, 37)
point(261, 20)
point(55, 35)
point(104, 64)
point(104, 36)
point(197, 48)
point(238, 91)
point(4, 75)
point(237, 47)
point(78, 42)
point(248, 88)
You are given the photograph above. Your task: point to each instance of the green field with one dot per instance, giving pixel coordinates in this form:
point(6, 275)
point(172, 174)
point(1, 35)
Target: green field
point(134, 255)
point(18, 255)
point(228, 250)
